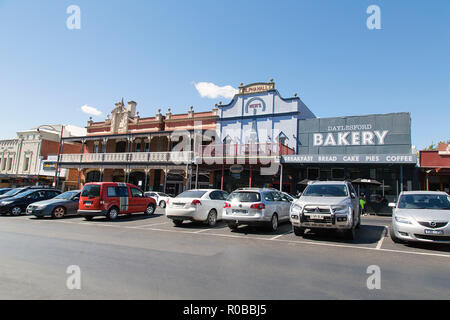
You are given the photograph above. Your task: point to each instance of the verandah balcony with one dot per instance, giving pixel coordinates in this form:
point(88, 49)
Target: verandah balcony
point(244, 150)
point(126, 157)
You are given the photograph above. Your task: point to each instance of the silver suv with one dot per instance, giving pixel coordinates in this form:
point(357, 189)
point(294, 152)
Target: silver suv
point(327, 205)
point(252, 206)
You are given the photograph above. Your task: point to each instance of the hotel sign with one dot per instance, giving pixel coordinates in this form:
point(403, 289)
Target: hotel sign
point(355, 158)
point(256, 88)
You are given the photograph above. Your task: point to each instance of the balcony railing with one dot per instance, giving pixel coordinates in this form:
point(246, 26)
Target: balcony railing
point(135, 157)
point(245, 150)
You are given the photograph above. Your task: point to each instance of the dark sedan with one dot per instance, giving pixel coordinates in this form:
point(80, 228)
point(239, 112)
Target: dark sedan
point(18, 204)
point(4, 190)
point(16, 191)
point(64, 204)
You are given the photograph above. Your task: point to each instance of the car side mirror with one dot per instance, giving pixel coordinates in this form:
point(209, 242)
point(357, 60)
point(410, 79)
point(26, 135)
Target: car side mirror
point(76, 199)
point(353, 195)
point(392, 204)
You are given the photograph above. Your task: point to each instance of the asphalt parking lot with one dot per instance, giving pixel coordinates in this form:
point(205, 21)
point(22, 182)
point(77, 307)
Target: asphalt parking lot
point(147, 257)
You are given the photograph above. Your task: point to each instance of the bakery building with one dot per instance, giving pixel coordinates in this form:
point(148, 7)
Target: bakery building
point(375, 147)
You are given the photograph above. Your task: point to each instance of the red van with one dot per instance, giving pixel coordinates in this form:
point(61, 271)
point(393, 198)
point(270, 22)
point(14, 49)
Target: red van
point(113, 198)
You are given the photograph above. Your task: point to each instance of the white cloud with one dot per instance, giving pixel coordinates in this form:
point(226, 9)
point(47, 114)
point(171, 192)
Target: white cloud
point(212, 91)
point(91, 110)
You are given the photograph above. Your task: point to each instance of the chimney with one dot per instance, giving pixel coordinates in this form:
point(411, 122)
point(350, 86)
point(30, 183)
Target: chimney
point(168, 114)
point(131, 108)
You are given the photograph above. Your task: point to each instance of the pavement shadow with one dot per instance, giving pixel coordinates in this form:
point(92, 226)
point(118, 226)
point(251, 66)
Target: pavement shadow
point(366, 234)
point(283, 228)
point(128, 217)
point(439, 247)
point(70, 217)
point(199, 224)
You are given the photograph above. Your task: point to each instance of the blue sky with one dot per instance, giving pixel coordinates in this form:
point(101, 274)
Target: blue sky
point(153, 52)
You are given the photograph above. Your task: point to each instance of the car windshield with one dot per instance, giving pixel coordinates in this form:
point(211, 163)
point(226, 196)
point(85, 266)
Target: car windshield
point(91, 191)
point(244, 197)
point(67, 195)
point(12, 192)
point(191, 194)
point(326, 190)
point(24, 194)
point(424, 201)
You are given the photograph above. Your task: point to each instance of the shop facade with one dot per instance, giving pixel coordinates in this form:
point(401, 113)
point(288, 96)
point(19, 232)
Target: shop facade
point(435, 168)
point(375, 147)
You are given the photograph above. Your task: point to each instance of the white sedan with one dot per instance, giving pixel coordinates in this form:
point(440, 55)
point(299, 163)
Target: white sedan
point(203, 205)
point(421, 216)
point(161, 198)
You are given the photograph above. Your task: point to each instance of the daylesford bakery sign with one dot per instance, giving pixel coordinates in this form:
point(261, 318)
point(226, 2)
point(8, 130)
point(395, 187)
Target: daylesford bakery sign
point(350, 135)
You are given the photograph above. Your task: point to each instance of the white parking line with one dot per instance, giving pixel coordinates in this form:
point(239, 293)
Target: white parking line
point(280, 235)
point(203, 230)
point(380, 242)
point(145, 225)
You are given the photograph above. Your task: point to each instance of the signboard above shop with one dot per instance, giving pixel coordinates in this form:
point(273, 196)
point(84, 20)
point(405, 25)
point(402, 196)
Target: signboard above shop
point(257, 87)
point(355, 158)
point(377, 134)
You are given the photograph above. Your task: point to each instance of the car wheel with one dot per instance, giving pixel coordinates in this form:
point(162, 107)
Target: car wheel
point(150, 209)
point(212, 218)
point(232, 226)
point(393, 236)
point(350, 234)
point(177, 222)
point(112, 213)
point(162, 204)
point(88, 218)
point(58, 212)
point(16, 211)
point(299, 231)
point(273, 226)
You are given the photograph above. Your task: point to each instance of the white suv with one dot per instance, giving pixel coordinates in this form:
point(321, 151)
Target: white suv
point(253, 206)
point(327, 205)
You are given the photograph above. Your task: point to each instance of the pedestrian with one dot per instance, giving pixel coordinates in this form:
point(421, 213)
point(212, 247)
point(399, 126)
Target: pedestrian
point(362, 203)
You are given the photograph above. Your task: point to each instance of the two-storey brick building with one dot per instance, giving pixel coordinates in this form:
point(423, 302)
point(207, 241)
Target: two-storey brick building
point(143, 151)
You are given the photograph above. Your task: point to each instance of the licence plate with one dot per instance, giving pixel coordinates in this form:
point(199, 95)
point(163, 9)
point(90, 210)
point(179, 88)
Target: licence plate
point(316, 216)
point(438, 232)
point(178, 204)
point(88, 203)
point(239, 211)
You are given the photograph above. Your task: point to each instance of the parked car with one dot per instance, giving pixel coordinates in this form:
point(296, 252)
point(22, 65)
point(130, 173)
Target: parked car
point(254, 206)
point(203, 205)
point(161, 198)
point(15, 191)
point(4, 190)
point(112, 198)
point(62, 205)
point(290, 197)
point(327, 205)
point(421, 216)
point(18, 204)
